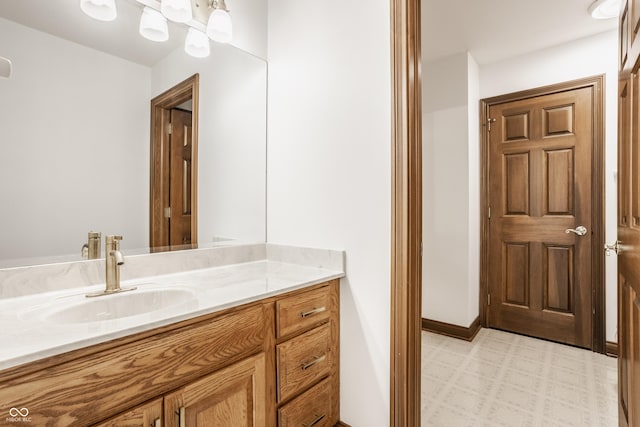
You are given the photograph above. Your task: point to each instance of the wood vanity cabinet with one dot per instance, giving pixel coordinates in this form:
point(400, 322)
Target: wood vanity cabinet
point(148, 415)
point(307, 357)
point(269, 363)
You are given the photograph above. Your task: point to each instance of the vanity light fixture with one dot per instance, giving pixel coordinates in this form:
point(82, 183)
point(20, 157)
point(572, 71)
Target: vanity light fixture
point(219, 27)
point(177, 10)
point(153, 25)
point(153, 21)
point(605, 9)
point(102, 10)
point(197, 43)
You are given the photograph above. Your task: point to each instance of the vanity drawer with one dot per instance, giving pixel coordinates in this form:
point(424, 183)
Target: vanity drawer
point(303, 360)
point(299, 312)
point(84, 391)
point(312, 408)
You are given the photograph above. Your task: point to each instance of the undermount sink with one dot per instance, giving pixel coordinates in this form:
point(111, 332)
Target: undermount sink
point(123, 305)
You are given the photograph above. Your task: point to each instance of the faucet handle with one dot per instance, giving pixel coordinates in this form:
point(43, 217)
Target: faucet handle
point(112, 242)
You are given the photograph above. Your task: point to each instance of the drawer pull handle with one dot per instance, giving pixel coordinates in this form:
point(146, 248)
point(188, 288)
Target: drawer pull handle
point(157, 423)
point(315, 360)
point(314, 422)
point(309, 313)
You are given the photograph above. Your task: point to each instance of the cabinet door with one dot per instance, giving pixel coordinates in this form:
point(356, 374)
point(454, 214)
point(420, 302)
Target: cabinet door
point(146, 415)
point(232, 397)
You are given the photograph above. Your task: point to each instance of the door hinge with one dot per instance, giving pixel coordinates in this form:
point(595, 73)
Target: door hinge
point(488, 299)
point(489, 121)
point(420, 248)
point(489, 212)
point(167, 212)
point(169, 128)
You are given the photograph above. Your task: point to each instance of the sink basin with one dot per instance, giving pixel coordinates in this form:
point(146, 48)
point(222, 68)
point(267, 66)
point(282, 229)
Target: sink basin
point(123, 305)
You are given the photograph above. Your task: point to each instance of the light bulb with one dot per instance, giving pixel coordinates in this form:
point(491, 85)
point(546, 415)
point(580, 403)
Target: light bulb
point(153, 25)
point(177, 10)
point(102, 10)
point(220, 27)
point(197, 43)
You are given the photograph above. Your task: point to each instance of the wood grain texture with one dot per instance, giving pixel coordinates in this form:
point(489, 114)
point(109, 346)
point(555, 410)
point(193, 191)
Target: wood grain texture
point(313, 408)
point(334, 295)
point(406, 214)
point(624, 145)
point(304, 360)
point(271, 384)
point(233, 396)
point(629, 218)
point(85, 391)
point(454, 331)
point(301, 312)
point(144, 415)
point(556, 199)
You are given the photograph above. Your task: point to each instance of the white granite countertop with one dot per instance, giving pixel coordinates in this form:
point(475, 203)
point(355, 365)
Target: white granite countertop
point(29, 330)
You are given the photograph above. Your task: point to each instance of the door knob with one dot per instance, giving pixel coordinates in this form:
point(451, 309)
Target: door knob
point(579, 230)
point(612, 248)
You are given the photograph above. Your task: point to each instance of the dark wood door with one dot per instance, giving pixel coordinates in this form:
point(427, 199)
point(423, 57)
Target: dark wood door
point(181, 150)
point(629, 251)
point(540, 152)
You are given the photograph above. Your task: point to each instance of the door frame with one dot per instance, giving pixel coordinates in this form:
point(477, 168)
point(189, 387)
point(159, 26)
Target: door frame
point(598, 285)
point(406, 214)
point(161, 107)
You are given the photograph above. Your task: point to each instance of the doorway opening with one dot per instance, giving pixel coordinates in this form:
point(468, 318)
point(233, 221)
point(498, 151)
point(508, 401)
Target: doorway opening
point(542, 171)
point(173, 219)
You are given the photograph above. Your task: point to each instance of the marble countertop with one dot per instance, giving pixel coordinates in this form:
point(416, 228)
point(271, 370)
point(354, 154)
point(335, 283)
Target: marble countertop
point(27, 332)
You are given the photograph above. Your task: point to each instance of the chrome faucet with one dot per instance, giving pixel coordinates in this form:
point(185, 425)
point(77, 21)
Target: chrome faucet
point(113, 260)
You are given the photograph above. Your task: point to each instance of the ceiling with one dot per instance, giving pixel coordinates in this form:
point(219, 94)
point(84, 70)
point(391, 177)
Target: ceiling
point(63, 18)
point(492, 30)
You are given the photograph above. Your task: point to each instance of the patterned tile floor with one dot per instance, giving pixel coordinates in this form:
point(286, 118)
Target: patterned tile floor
point(504, 379)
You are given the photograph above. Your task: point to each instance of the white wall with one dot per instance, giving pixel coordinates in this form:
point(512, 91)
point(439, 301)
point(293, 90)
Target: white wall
point(450, 262)
point(74, 125)
point(329, 177)
point(582, 58)
point(231, 138)
point(249, 25)
point(473, 97)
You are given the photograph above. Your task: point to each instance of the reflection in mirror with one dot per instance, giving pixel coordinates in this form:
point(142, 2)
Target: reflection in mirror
point(75, 132)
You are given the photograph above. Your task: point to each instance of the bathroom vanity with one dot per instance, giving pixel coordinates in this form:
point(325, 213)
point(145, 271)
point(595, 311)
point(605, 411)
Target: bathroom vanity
point(260, 348)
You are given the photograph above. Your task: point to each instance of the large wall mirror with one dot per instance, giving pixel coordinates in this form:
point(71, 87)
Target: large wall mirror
point(75, 130)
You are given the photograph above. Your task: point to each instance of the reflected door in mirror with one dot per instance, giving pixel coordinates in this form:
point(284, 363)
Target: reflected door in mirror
point(181, 152)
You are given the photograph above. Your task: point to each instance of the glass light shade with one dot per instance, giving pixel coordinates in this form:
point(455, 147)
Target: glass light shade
point(605, 9)
point(177, 10)
point(220, 27)
point(197, 43)
point(153, 25)
point(102, 10)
